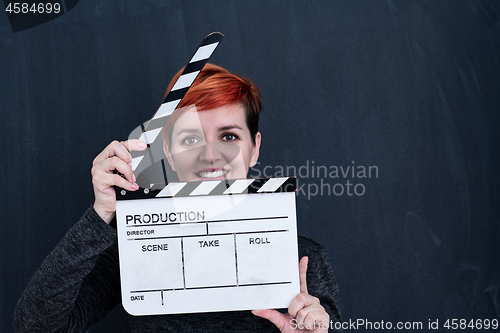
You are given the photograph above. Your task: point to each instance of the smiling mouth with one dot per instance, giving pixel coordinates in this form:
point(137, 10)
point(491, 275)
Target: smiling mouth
point(212, 174)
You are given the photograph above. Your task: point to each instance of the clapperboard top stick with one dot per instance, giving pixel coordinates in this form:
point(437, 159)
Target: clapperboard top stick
point(150, 132)
point(212, 187)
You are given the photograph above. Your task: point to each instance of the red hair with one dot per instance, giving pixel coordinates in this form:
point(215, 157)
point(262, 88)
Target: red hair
point(216, 86)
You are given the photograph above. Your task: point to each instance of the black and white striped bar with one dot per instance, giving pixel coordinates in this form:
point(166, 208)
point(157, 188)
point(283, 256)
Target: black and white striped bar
point(150, 133)
point(212, 187)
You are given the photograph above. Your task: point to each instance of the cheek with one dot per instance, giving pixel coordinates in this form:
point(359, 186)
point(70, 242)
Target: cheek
point(186, 160)
point(243, 158)
point(247, 152)
point(229, 151)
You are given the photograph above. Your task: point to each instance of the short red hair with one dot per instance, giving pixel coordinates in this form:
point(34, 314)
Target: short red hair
point(215, 86)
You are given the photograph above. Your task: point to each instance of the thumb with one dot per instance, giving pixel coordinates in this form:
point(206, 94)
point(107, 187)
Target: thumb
point(277, 318)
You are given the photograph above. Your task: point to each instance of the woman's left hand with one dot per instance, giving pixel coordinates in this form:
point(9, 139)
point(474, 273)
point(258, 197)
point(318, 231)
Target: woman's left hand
point(305, 313)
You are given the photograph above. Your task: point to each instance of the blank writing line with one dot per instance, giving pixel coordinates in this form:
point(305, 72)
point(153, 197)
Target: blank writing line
point(221, 234)
point(211, 287)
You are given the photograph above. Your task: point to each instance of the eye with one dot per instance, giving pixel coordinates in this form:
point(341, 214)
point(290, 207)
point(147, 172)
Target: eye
point(190, 141)
point(229, 137)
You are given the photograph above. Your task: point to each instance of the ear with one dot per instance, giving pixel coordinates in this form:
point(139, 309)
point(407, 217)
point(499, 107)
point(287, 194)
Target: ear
point(169, 155)
point(255, 151)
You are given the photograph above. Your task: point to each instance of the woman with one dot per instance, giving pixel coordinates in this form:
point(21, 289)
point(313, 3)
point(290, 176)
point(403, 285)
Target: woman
point(213, 135)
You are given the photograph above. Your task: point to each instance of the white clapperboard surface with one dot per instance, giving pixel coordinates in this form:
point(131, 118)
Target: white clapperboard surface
point(203, 246)
point(208, 246)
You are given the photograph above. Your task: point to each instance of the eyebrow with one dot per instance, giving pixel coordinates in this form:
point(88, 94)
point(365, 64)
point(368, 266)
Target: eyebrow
point(220, 129)
point(229, 127)
point(188, 130)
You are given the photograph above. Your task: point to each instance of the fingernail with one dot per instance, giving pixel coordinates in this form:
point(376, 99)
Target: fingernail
point(142, 144)
point(135, 187)
point(133, 178)
point(130, 165)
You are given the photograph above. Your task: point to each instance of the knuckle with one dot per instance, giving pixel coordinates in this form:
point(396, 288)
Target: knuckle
point(301, 313)
point(96, 181)
point(312, 317)
point(301, 297)
point(114, 144)
point(115, 160)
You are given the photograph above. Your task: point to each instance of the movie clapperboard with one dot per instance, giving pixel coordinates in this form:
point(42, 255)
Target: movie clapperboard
point(203, 246)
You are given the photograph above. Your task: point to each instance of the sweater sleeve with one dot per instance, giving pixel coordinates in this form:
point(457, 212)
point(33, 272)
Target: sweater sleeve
point(321, 280)
point(76, 285)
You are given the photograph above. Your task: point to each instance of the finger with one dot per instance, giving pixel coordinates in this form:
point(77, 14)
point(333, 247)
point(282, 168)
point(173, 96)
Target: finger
point(114, 163)
point(123, 149)
point(317, 321)
point(120, 149)
point(302, 274)
point(134, 144)
point(277, 318)
point(115, 148)
point(130, 145)
point(301, 301)
point(307, 317)
point(103, 181)
point(301, 315)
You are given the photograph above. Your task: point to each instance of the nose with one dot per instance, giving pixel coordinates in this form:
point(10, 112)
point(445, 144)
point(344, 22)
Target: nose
point(211, 153)
point(218, 153)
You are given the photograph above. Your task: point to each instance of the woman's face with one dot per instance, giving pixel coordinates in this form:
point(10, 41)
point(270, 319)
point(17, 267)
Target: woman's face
point(212, 144)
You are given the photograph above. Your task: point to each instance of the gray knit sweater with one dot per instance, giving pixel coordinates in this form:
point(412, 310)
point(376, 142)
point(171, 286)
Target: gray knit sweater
point(79, 283)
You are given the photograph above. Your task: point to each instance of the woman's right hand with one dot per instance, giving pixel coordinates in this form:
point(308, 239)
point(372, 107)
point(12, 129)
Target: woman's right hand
point(115, 156)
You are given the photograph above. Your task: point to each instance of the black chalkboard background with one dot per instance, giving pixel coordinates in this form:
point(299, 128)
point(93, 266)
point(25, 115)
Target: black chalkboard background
point(411, 87)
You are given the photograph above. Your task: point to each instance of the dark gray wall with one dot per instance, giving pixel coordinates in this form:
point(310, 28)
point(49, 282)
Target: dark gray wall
point(412, 87)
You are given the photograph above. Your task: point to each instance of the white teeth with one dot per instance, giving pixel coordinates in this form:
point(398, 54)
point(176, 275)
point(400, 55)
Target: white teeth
point(212, 174)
